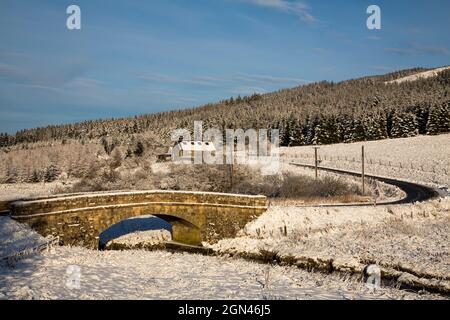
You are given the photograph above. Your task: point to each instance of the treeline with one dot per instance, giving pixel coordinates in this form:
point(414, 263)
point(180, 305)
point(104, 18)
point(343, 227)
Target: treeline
point(319, 113)
point(329, 129)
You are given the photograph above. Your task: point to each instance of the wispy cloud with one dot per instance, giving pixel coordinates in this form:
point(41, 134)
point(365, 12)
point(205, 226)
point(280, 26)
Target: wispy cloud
point(382, 68)
point(46, 74)
point(341, 37)
point(373, 38)
point(243, 84)
point(270, 80)
point(401, 51)
point(414, 49)
point(436, 50)
point(85, 83)
point(163, 78)
point(8, 70)
point(299, 8)
point(244, 79)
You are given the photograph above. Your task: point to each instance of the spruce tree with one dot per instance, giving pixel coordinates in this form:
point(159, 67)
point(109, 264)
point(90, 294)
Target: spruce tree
point(422, 114)
point(439, 119)
point(404, 125)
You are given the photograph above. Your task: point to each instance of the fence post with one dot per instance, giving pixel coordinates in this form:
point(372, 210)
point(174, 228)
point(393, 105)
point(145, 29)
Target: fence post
point(316, 162)
point(363, 176)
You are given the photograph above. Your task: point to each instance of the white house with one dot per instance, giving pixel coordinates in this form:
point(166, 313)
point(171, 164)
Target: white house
point(186, 151)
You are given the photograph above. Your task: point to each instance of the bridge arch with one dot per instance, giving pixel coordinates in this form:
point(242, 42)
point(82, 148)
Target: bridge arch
point(132, 225)
point(180, 230)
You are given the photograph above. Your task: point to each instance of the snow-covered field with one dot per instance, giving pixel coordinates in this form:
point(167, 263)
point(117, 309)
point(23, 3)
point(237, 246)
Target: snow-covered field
point(413, 238)
point(424, 159)
point(164, 275)
point(30, 190)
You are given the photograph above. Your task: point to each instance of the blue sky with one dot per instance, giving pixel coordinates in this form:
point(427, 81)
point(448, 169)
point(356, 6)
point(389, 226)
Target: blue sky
point(132, 57)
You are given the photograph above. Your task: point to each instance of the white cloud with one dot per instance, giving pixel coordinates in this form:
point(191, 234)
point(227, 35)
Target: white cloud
point(298, 8)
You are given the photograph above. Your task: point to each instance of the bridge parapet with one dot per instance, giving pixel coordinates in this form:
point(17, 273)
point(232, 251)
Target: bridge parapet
point(67, 202)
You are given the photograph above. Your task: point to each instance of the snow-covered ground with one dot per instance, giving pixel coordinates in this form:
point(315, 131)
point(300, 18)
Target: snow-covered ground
point(420, 75)
point(403, 237)
point(77, 273)
point(424, 159)
point(16, 237)
point(14, 191)
point(162, 275)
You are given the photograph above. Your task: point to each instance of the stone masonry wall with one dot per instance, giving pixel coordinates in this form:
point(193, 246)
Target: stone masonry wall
point(195, 217)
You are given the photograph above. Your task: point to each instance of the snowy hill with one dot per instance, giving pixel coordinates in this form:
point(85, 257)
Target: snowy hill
point(421, 75)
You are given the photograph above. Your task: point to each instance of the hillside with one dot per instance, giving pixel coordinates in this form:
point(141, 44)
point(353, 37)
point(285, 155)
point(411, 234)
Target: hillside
point(420, 75)
point(319, 113)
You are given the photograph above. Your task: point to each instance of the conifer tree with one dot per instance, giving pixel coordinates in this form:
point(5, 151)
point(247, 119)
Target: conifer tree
point(404, 125)
point(439, 119)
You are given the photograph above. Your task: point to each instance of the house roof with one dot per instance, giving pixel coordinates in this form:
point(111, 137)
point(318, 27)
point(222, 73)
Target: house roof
point(196, 146)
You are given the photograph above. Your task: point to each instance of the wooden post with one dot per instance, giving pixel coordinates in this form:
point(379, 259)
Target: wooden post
point(231, 176)
point(230, 169)
point(363, 174)
point(316, 163)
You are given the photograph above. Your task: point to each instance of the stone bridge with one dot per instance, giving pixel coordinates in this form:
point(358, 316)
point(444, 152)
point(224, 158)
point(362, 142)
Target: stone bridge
point(79, 219)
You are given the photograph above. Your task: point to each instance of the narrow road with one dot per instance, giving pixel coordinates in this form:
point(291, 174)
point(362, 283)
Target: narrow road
point(414, 192)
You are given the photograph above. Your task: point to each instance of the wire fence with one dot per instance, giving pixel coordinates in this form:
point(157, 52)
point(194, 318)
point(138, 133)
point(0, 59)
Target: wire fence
point(371, 161)
point(17, 256)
